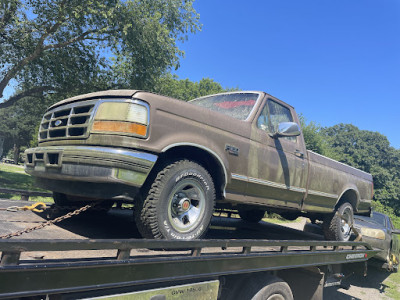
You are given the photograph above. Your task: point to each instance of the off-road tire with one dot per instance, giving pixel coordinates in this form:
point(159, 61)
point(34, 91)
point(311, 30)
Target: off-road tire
point(332, 225)
point(156, 213)
point(264, 287)
point(251, 215)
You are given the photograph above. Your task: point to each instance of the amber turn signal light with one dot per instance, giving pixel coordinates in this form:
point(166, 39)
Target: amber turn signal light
point(118, 126)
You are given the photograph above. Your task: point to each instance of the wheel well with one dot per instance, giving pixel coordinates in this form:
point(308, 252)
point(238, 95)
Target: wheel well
point(202, 157)
point(348, 196)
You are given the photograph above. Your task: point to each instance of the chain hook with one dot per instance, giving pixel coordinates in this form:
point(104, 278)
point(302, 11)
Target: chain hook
point(12, 208)
point(34, 206)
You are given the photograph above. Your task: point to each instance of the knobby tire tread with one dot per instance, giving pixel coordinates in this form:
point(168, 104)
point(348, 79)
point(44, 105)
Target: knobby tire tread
point(146, 212)
point(331, 227)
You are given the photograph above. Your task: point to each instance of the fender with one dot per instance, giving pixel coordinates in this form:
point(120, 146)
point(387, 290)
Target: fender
point(215, 155)
point(348, 188)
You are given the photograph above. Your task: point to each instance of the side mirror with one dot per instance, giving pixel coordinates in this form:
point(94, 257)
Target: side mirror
point(396, 231)
point(288, 129)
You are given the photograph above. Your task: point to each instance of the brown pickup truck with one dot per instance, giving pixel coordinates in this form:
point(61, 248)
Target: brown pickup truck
point(177, 161)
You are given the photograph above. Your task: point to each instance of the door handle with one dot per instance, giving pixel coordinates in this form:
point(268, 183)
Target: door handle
point(299, 153)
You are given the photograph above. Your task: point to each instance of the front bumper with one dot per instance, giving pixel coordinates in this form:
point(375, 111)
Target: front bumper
point(83, 170)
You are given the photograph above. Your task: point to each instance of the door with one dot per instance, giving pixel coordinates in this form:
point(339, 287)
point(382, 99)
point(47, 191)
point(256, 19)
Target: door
point(277, 165)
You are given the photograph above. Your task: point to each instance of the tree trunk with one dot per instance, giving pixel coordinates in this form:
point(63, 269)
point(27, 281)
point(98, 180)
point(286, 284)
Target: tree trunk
point(16, 153)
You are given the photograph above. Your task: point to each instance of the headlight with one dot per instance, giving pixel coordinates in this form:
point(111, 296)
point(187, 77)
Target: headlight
point(122, 117)
point(374, 233)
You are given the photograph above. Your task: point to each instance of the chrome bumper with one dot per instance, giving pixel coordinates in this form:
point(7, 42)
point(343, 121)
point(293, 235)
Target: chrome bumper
point(89, 164)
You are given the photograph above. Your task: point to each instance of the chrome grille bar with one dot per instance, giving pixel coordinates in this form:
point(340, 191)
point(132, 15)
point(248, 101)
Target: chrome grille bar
point(68, 121)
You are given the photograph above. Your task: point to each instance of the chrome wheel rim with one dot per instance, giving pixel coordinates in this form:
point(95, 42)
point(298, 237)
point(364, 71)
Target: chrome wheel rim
point(276, 297)
point(186, 205)
point(345, 223)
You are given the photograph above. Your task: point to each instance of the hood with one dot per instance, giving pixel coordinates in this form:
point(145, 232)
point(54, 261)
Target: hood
point(109, 93)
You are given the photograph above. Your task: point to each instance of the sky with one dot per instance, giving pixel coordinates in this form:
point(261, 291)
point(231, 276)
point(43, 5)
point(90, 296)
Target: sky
point(335, 61)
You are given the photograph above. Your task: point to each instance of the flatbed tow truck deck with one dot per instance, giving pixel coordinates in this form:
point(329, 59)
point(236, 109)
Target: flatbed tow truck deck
point(160, 269)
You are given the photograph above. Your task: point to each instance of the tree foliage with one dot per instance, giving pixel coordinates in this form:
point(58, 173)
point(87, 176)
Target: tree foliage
point(76, 46)
point(313, 138)
point(365, 150)
point(19, 124)
point(185, 89)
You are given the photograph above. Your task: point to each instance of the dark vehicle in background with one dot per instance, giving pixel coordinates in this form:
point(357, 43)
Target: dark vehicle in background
point(7, 161)
point(379, 232)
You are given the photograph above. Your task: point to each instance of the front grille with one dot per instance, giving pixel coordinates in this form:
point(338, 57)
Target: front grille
point(67, 122)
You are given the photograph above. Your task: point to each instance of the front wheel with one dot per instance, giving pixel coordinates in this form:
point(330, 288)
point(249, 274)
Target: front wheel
point(337, 227)
point(178, 205)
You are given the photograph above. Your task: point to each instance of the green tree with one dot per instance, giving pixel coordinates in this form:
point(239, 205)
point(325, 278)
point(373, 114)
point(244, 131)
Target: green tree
point(313, 138)
point(185, 89)
point(76, 46)
point(371, 152)
point(360, 148)
point(19, 123)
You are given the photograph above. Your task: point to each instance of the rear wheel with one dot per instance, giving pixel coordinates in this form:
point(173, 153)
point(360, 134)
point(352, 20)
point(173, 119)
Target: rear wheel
point(178, 205)
point(337, 227)
point(251, 215)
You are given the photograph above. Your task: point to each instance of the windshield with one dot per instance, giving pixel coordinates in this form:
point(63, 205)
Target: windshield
point(379, 218)
point(236, 105)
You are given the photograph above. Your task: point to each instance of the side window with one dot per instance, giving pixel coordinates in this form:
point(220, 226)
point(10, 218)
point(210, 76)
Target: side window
point(262, 121)
point(278, 114)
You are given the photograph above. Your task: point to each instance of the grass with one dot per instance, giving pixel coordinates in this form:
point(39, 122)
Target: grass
point(14, 177)
point(393, 286)
point(279, 220)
